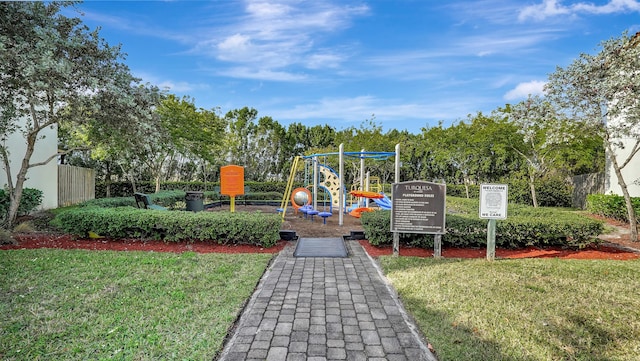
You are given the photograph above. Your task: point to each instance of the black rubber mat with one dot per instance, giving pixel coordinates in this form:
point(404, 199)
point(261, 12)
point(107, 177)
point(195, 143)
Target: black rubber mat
point(320, 247)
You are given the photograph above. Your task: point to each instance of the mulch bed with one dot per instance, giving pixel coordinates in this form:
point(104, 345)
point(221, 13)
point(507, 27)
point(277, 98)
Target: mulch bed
point(42, 240)
point(617, 246)
point(594, 252)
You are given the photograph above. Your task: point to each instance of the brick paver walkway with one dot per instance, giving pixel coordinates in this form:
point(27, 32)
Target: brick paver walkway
point(324, 309)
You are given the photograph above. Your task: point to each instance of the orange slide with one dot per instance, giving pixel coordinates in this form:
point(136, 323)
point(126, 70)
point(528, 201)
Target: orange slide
point(367, 194)
point(358, 211)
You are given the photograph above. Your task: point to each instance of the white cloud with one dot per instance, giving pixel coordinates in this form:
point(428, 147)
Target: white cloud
point(396, 112)
point(262, 74)
point(551, 8)
point(170, 85)
point(275, 35)
point(523, 90)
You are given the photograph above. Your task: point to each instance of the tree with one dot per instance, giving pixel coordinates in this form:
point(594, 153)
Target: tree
point(194, 132)
point(543, 131)
point(49, 62)
point(602, 93)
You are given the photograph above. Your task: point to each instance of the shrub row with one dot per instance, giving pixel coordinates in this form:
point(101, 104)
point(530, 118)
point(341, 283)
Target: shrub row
point(612, 206)
point(31, 199)
point(128, 222)
point(525, 226)
point(123, 189)
point(549, 193)
point(175, 199)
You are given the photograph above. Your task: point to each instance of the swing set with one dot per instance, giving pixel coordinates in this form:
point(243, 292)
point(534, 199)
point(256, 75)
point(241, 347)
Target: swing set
point(321, 178)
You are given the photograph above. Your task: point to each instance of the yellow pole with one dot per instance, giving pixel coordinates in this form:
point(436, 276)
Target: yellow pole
point(233, 204)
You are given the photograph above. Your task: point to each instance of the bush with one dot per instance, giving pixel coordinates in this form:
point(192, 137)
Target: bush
point(165, 198)
point(31, 199)
point(552, 192)
point(124, 189)
point(525, 226)
point(612, 206)
point(128, 222)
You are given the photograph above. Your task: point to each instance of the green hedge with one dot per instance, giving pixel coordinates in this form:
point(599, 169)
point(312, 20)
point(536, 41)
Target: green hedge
point(31, 199)
point(128, 222)
point(549, 192)
point(123, 189)
point(525, 226)
point(612, 206)
point(164, 198)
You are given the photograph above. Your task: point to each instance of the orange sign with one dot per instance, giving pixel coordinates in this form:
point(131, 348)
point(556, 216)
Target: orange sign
point(232, 180)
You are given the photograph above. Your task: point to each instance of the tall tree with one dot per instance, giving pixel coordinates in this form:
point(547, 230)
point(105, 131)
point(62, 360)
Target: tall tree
point(240, 140)
point(48, 61)
point(196, 133)
point(602, 92)
point(269, 150)
point(543, 131)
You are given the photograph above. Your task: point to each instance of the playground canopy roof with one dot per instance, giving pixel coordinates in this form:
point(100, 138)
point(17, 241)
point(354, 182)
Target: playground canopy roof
point(361, 155)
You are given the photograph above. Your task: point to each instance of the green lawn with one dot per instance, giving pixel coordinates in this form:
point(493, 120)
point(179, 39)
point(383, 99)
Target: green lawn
point(523, 310)
point(98, 305)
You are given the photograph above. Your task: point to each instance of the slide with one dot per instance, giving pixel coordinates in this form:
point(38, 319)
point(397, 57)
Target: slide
point(383, 203)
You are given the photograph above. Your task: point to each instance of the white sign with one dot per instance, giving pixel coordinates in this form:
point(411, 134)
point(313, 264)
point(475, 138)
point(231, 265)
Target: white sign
point(493, 201)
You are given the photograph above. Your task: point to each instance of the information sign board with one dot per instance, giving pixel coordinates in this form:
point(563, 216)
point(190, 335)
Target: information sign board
point(232, 180)
point(493, 201)
point(418, 207)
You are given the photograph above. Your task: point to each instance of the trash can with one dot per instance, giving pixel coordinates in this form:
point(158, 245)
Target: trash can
point(195, 201)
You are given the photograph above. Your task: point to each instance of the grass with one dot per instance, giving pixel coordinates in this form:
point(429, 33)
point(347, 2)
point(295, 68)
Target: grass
point(524, 310)
point(99, 305)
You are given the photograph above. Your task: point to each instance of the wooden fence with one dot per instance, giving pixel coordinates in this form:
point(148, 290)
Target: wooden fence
point(75, 185)
point(592, 183)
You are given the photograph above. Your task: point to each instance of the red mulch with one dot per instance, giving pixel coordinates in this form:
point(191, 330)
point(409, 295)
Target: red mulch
point(44, 240)
point(617, 246)
point(594, 252)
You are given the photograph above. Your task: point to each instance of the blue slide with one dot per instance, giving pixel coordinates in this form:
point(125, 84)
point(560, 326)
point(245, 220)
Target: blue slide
point(384, 203)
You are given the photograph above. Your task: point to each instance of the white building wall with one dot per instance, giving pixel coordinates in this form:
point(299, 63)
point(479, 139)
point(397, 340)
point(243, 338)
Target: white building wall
point(630, 173)
point(45, 177)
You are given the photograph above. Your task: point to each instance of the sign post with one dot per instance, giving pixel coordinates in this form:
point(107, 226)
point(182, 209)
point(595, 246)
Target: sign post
point(493, 206)
point(418, 207)
point(232, 183)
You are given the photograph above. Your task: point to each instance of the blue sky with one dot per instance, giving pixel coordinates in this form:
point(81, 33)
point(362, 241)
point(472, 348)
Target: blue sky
point(408, 63)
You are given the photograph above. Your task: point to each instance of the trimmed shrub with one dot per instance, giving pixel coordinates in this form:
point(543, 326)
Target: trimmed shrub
point(123, 189)
point(525, 226)
point(31, 199)
point(551, 192)
point(128, 222)
point(612, 206)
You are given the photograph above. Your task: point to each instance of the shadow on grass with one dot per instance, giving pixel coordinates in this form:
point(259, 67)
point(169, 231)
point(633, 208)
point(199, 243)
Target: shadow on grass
point(453, 341)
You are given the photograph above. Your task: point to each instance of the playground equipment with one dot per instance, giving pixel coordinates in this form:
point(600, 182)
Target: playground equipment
point(332, 182)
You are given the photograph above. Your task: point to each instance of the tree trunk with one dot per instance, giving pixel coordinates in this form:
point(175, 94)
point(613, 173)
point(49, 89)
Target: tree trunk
point(107, 181)
point(631, 213)
point(466, 186)
point(15, 195)
point(532, 187)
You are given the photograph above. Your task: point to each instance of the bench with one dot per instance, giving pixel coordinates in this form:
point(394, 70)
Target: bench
point(144, 201)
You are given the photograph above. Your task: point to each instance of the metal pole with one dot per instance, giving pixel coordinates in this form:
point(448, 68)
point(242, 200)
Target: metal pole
point(366, 189)
point(341, 190)
point(491, 240)
point(362, 175)
point(315, 182)
point(396, 235)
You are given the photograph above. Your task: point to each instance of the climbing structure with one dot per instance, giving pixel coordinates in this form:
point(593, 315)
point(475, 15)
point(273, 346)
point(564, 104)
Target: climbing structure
point(330, 180)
